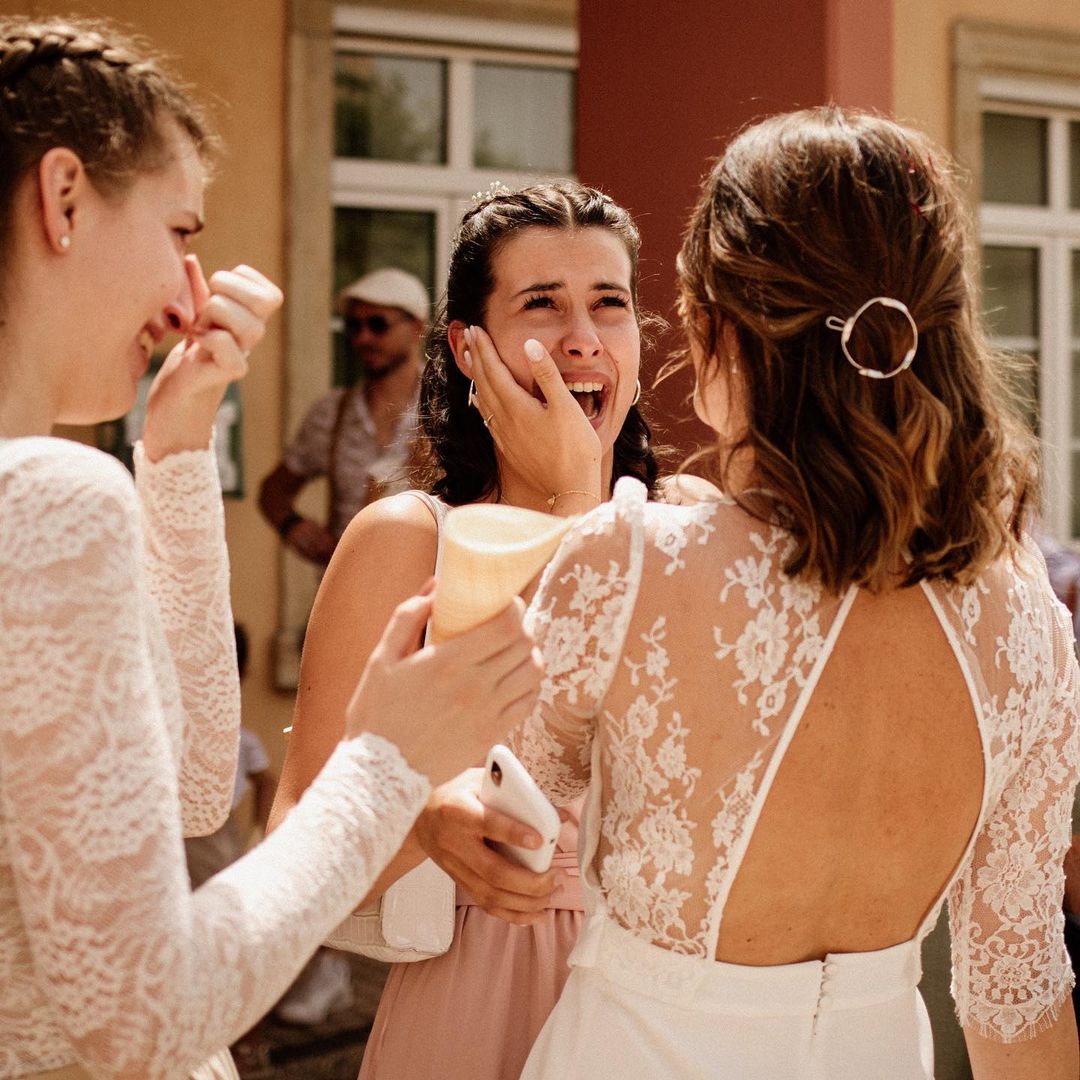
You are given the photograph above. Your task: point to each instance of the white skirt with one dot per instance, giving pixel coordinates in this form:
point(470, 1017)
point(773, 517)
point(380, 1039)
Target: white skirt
point(632, 1010)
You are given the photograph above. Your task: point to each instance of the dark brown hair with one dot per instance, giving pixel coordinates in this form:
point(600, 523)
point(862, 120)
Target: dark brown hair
point(458, 455)
point(88, 88)
point(809, 215)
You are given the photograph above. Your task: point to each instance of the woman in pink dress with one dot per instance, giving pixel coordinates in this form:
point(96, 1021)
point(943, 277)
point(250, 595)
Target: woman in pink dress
point(550, 273)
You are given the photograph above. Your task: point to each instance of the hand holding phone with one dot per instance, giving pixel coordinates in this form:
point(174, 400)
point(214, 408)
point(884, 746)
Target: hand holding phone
point(508, 787)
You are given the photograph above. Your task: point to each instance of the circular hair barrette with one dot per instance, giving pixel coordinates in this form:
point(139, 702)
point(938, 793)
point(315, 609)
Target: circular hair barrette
point(833, 322)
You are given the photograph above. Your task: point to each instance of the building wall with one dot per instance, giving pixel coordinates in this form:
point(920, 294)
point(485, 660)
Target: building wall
point(923, 63)
point(659, 96)
point(233, 54)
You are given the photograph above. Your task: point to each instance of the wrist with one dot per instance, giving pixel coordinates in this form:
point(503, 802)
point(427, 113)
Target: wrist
point(287, 523)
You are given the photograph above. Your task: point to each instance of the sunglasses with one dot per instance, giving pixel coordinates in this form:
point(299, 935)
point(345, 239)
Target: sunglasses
point(376, 324)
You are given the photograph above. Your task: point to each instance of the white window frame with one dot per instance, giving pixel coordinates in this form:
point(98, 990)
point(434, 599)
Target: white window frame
point(446, 188)
point(1054, 230)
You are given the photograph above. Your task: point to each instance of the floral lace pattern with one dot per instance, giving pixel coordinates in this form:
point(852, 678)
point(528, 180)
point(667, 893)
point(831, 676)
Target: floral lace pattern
point(118, 730)
point(666, 846)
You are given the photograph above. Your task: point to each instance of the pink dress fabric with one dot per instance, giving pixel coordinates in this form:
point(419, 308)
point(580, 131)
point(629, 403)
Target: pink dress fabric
point(474, 1012)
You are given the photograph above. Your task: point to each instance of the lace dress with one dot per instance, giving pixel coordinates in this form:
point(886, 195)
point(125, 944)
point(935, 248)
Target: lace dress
point(118, 734)
point(643, 603)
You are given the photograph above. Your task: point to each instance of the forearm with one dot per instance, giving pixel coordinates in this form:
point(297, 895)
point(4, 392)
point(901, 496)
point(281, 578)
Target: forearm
point(187, 575)
point(277, 494)
point(1051, 1055)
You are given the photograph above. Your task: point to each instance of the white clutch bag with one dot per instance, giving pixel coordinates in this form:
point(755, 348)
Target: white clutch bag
point(414, 919)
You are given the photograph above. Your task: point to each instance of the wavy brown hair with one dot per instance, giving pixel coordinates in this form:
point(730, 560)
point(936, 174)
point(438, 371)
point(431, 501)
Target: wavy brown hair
point(927, 475)
point(88, 87)
point(457, 454)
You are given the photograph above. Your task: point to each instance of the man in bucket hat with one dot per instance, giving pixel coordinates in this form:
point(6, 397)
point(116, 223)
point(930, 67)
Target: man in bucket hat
point(359, 437)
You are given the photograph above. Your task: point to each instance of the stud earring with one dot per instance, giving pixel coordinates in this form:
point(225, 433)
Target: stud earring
point(637, 394)
point(65, 241)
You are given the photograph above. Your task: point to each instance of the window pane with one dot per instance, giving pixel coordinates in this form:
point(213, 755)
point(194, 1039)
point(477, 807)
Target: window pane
point(524, 119)
point(390, 108)
point(1023, 380)
point(367, 239)
point(1011, 291)
point(1014, 159)
point(1074, 165)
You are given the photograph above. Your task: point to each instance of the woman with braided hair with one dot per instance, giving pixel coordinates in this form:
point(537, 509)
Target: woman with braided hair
point(529, 398)
point(119, 699)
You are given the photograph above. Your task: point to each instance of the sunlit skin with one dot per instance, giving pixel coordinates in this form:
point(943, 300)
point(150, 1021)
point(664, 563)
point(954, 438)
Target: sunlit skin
point(568, 289)
point(128, 256)
point(97, 278)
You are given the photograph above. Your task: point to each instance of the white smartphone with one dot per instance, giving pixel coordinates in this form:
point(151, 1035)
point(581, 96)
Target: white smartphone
point(509, 788)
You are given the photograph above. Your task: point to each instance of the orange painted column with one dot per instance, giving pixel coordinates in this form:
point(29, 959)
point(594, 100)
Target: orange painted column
point(662, 87)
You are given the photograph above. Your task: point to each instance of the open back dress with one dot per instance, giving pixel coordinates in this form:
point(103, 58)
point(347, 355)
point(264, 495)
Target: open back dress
point(681, 661)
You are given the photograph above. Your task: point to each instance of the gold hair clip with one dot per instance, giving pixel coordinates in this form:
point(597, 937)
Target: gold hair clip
point(845, 327)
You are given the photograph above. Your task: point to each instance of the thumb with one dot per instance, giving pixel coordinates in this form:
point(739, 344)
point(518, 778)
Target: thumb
point(546, 373)
point(405, 630)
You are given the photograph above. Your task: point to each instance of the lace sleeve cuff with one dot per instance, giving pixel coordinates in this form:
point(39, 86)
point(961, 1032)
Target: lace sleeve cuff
point(181, 490)
point(394, 787)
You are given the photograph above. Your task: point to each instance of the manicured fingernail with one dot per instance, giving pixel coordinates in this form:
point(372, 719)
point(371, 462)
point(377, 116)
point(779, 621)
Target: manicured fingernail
point(534, 350)
point(468, 334)
point(468, 357)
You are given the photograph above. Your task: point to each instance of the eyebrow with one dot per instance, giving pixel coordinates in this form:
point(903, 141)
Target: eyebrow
point(553, 286)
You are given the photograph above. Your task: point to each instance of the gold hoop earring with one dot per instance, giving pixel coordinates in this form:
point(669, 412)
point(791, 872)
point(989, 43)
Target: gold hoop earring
point(637, 394)
point(471, 400)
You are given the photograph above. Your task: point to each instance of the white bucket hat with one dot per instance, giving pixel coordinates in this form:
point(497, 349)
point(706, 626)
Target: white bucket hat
point(490, 553)
point(388, 287)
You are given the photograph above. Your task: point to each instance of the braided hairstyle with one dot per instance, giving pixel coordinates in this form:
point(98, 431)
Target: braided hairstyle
point(458, 460)
point(85, 87)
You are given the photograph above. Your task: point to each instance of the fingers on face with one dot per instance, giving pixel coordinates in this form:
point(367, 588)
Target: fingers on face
point(200, 290)
point(224, 350)
point(492, 376)
point(249, 288)
point(223, 313)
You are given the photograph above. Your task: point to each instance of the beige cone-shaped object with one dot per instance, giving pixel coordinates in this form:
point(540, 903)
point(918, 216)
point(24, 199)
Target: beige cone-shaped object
point(490, 553)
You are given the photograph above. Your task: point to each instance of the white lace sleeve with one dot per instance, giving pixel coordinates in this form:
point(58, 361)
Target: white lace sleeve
point(187, 576)
point(1011, 973)
point(142, 978)
point(579, 616)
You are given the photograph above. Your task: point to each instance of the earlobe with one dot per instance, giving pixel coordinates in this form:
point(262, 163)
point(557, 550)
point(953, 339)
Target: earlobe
point(61, 183)
point(455, 334)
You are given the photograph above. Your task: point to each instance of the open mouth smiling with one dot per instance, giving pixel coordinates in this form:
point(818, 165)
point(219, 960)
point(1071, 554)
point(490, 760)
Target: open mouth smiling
point(589, 394)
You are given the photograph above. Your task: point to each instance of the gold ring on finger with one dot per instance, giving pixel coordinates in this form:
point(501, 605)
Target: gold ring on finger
point(487, 422)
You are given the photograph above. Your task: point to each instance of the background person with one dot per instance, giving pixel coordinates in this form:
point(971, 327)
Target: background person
point(359, 437)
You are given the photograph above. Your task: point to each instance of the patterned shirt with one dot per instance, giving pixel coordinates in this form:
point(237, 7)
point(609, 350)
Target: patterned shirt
point(362, 469)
